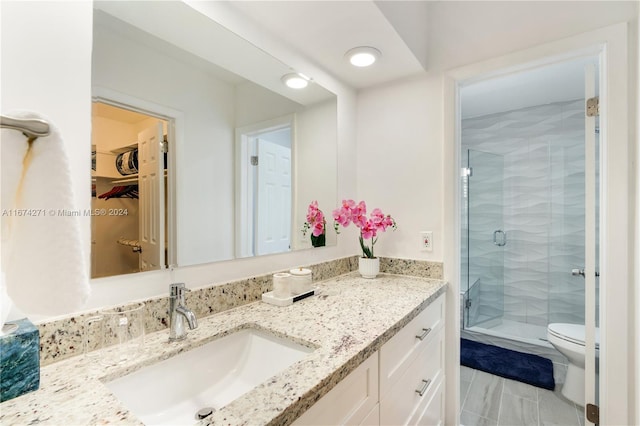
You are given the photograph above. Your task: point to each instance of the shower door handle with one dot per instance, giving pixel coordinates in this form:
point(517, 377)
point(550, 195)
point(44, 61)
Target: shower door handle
point(499, 238)
point(580, 272)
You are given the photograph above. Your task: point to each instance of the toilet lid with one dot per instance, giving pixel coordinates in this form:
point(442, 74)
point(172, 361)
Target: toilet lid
point(574, 333)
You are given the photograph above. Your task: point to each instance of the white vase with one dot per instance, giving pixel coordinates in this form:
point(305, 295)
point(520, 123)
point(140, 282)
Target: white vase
point(369, 268)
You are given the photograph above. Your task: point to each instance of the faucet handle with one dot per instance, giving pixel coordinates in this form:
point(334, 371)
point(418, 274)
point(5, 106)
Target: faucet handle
point(176, 289)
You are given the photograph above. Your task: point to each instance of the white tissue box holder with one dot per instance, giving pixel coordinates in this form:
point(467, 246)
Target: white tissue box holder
point(289, 300)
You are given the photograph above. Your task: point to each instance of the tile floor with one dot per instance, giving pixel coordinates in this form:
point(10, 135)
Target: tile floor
point(486, 400)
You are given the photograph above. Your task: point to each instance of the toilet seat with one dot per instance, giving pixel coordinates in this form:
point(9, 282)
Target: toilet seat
point(574, 333)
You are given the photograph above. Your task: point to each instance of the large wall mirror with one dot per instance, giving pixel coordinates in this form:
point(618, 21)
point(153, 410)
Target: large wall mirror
point(200, 153)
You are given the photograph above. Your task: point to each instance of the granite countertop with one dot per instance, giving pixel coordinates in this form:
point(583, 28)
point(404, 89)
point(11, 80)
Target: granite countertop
point(349, 320)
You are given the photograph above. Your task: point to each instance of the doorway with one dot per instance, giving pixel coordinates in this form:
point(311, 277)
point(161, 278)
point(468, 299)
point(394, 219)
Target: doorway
point(264, 196)
point(528, 220)
point(129, 191)
point(610, 45)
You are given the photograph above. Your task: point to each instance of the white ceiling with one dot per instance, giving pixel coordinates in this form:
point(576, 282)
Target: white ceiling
point(223, 53)
point(423, 36)
point(325, 30)
point(415, 37)
point(540, 86)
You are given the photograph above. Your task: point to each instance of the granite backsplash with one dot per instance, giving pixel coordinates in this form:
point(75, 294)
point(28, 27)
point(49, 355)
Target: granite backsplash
point(64, 338)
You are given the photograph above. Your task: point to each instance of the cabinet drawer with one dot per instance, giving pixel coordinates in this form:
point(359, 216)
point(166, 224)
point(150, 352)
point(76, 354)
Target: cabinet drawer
point(432, 412)
point(401, 349)
point(350, 401)
point(424, 373)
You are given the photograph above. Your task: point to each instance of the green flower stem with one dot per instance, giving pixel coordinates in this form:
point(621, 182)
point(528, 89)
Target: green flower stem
point(366, 251)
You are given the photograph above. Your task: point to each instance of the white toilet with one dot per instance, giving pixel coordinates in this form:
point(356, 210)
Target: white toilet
point(568, 339)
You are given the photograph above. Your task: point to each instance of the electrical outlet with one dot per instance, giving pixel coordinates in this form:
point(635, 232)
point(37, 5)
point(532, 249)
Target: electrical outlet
point(426, 240)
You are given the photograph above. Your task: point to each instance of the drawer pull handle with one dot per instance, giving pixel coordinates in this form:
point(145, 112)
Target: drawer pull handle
point(425, 332)
point(424, 387)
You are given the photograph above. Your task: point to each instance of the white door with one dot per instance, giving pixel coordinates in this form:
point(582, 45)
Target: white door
point(151, 201)
point(273, 223)
point(591, 189)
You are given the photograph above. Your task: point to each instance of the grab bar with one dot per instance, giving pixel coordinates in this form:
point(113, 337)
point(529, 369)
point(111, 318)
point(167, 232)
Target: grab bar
point(31, 127)
point(503, 238)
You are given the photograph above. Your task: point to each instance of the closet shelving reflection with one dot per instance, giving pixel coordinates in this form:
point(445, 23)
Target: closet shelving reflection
point(130, 179)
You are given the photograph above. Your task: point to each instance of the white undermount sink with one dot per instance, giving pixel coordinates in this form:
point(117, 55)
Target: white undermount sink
point(174, 390)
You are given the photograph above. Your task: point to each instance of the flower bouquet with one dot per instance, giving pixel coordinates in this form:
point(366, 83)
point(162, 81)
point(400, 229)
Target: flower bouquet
point(316, 222)
point(350, 212)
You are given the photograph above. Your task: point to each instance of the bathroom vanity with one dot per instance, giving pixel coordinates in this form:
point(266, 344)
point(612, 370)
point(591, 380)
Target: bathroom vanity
point(401, 383)
point(376, 354)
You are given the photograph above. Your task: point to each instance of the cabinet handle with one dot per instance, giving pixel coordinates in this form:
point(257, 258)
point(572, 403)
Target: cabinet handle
point(425, 331)
point(424, 387)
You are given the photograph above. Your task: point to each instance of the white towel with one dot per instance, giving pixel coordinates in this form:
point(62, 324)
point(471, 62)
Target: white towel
point(42, 255)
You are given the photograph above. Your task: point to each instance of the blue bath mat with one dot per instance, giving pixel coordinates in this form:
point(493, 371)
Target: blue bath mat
point(527, 368)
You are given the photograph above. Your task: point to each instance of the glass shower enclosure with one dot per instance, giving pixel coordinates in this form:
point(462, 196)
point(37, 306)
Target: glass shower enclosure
point(523, 224)
point(485, 239)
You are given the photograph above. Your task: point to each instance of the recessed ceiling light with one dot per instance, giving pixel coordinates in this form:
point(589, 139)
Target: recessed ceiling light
point(295, 80)
point(363, 56)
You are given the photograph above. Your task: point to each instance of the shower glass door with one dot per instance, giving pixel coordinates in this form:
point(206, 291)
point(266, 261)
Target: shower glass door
point(485, 239)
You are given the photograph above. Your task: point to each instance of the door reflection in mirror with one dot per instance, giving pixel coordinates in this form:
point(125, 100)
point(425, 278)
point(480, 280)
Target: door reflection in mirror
point(265, 169)
point(128, 225)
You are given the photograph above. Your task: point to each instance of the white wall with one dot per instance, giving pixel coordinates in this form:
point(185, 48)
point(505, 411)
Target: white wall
point(399, 163)
point(635, 396)
point(48, 70)
point(316, 155)
point(405, 122)
point(254, 104)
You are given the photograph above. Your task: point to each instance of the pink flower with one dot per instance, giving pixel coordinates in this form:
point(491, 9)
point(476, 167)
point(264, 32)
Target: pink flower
point(368, 230)
point(377, 218)
point(350, 212)
point(318, 229)
point(388, 221)
point(343, 214)
point(342, 217)
point(315, 220)
point(359, 214)
point(313, 213)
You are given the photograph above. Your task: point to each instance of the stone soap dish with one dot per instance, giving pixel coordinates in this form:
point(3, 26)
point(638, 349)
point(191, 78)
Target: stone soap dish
point(286, 301)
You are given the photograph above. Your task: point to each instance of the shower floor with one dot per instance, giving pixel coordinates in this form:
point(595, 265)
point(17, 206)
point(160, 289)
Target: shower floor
point(517, 336)
point(516, 329)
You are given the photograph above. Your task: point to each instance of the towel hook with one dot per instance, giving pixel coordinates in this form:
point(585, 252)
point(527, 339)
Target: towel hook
point(30, 127)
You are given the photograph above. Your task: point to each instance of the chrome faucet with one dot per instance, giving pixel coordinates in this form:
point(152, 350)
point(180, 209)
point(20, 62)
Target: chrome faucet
point(178, 312)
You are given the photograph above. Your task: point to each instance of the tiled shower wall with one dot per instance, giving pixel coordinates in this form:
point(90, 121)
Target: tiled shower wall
point(540, 186)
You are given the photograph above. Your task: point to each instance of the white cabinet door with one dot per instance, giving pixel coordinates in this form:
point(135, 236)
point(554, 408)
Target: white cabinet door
point(373, 418)
point(350, 402)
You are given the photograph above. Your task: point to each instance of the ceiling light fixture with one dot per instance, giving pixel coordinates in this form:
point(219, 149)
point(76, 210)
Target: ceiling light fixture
point(363, 56)
point(295, 80)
